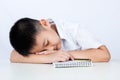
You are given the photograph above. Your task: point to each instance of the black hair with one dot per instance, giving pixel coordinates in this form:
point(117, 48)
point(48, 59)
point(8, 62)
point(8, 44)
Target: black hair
point(22, 35)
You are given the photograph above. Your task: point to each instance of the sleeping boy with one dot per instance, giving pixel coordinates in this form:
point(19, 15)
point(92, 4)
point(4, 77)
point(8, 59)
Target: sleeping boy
point(46, 41)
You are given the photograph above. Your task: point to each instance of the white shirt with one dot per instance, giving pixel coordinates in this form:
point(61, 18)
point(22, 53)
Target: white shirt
point(73, 37)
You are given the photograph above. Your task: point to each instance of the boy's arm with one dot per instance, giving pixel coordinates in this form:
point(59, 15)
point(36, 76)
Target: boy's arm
point(96, 55)
point(32, 58)
point(42, 58)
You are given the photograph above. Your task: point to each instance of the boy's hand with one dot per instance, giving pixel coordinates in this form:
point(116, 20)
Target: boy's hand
point(57, 56)
point(45, 52)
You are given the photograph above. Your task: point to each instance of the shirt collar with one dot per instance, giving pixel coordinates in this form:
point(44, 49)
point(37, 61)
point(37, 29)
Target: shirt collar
point(60, 28)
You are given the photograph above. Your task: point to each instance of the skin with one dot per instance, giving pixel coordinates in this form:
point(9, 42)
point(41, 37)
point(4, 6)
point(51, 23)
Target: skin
point(48, 49)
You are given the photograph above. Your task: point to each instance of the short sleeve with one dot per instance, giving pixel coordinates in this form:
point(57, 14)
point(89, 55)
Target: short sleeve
point(86, 40)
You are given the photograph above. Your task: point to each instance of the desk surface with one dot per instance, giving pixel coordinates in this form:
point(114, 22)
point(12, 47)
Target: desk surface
point(99, 71)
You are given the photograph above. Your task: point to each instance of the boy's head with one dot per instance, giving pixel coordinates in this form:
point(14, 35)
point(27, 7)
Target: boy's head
point(29, 36)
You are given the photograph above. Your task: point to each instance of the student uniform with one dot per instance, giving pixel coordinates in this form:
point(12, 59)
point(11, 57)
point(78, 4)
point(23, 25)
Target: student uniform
point(73, 37)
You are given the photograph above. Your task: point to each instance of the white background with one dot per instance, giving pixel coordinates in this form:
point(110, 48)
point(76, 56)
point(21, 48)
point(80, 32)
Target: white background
point(101, 17)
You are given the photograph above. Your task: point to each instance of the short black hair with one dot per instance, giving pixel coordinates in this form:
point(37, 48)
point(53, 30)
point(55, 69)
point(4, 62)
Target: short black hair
point(22, 35)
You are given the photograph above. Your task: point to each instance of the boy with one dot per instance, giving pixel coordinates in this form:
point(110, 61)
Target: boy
point(44, 41)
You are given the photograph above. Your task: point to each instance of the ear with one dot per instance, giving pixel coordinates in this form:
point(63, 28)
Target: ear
point(44, 23)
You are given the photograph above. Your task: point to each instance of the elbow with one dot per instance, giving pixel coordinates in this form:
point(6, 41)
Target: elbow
point(105, 54)
point(106, 57)
point(12, 59)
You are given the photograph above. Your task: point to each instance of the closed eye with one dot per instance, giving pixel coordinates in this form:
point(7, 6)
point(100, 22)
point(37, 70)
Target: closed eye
point(43, 50)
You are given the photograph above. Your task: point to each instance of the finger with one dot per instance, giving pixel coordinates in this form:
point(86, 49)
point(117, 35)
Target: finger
point(71, 57)
point(50, 52)
point(43, 52)
point(61, 59)
point(37, 53)
point(66, 54)
point(64, 57)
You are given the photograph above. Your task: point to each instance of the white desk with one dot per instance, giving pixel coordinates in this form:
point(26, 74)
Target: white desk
point(99, 71)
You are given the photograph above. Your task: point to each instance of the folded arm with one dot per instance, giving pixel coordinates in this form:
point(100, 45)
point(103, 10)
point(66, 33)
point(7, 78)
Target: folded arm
point(32, 58)
point(53, 56)
point(96, 55)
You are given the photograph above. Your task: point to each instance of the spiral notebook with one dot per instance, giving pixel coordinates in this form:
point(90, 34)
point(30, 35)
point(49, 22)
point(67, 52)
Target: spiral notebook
point(75, 63)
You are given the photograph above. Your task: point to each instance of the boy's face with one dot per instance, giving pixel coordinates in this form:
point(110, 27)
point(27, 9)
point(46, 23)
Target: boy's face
point(47, 39)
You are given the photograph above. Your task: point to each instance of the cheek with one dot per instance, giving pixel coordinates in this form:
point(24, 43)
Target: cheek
point(55, 39)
